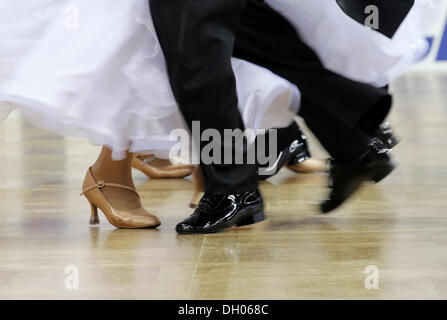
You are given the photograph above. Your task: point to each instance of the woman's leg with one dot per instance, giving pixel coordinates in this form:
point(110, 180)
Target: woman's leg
point(119, 172)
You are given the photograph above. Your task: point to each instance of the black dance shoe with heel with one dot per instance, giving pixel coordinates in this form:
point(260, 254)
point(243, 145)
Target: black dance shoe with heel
point(293, 155)
point(386, 134)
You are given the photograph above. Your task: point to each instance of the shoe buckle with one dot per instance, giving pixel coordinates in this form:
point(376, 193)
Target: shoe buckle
point(101, 184)
point(295, 144)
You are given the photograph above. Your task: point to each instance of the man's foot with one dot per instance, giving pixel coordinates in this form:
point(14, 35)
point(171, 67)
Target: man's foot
point(346, 178)
point(217, 213)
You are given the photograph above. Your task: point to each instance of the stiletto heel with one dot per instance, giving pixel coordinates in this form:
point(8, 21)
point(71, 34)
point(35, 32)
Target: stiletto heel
point(257, 217)
point(94, 218)
point(137, 218)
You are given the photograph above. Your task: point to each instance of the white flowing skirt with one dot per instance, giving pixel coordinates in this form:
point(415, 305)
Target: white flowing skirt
point(94, 69)
point(353, 50)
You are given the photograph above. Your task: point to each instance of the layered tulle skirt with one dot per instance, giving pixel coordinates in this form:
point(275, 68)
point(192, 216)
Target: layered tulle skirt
point(94, 69)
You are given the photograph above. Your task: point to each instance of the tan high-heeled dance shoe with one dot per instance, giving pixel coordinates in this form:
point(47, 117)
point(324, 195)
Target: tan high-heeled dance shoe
point(147, 165)
point(137, 218)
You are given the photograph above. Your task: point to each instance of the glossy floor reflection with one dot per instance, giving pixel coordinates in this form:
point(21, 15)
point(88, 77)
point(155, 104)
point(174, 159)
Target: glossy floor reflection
point(399, 226)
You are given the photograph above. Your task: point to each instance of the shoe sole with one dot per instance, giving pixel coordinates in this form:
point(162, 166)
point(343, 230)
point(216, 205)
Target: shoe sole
point(390, 167)
point(257, 217)
point(149, 227)
point(251, 216)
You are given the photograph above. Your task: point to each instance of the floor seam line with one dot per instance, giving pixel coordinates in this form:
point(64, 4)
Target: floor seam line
point(196, 267)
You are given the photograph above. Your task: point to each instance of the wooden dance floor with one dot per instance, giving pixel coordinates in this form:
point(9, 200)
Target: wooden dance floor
point(398, 228)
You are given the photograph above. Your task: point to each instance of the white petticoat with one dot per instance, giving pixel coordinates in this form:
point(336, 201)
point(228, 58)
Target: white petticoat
point(353, 50)
point(94, 69)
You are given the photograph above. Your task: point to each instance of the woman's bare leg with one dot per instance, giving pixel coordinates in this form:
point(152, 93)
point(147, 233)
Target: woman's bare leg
point(116, 172)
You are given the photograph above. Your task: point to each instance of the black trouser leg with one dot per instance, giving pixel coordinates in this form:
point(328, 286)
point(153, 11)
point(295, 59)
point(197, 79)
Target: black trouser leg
point(322, 124)
point(335, 108)
point(197, 38)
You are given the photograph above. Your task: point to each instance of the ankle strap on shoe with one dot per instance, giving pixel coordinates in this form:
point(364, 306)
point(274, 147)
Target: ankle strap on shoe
point(101, 184)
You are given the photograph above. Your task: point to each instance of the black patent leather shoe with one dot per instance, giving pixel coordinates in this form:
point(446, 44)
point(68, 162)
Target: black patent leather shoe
point(346, 178)
point(386, 134)
point(217, 213)
point(302, 153)
point(295, 153)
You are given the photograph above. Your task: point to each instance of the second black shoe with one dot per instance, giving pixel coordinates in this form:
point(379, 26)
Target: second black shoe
point(296, 151)
point(346, 178)
point(216, 213)
point(386, 134)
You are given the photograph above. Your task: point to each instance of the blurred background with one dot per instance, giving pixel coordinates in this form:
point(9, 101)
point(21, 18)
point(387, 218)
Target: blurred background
point(437, 35)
